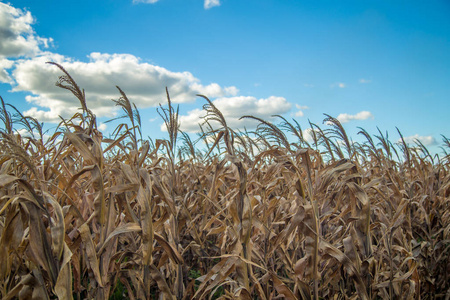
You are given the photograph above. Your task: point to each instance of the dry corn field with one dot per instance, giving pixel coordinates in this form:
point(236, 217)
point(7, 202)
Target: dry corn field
point(235, 215)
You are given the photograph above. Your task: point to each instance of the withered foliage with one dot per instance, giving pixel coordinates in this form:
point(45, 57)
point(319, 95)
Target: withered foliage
point(254, 216)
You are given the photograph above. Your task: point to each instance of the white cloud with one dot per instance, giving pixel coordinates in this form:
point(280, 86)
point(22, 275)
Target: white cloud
point(102, 127)
point(23, 132)
point(211, 3)
point(340, 85)
point(299, 113)
point(231, 90)
point(300, 108)
point(145, 1)
point(362, 80)
point(308, 134)
point(5, 64)
point(362, 115)
point(235, 107)
point(143, 83)
point(17, 37)
point(426, 140)
point(308, 85)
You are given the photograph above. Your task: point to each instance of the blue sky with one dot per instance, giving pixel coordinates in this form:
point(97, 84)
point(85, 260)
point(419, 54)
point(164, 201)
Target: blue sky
point(368, 63)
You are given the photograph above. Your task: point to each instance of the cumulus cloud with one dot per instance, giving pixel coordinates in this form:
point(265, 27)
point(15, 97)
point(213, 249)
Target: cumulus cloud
point(300, 108)
point(211, 3)
point(308, 134)
point(5, 64)
point(17, 37)
point(426, 140)
point(362, 80)
point(235, 107)
point(362, 115)
point(102, 126)
point(231, 90)
point(143, 83)
point(21, 51)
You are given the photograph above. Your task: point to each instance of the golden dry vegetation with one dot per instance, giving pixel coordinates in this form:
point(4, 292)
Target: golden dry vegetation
point(251, 215)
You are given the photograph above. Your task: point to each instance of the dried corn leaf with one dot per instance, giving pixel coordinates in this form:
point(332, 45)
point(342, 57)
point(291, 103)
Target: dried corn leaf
point(90, 252)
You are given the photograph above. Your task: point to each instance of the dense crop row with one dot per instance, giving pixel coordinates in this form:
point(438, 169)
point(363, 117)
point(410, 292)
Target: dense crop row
point(246, 216)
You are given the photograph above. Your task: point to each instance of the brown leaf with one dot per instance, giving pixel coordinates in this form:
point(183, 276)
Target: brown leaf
point(40, 246)
point(6, 179)
point(90, 252)
point(170, 249)
point(218, 273)
point(337, 254)
point(63, 286)
point(281, 288)
point(162, 284)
